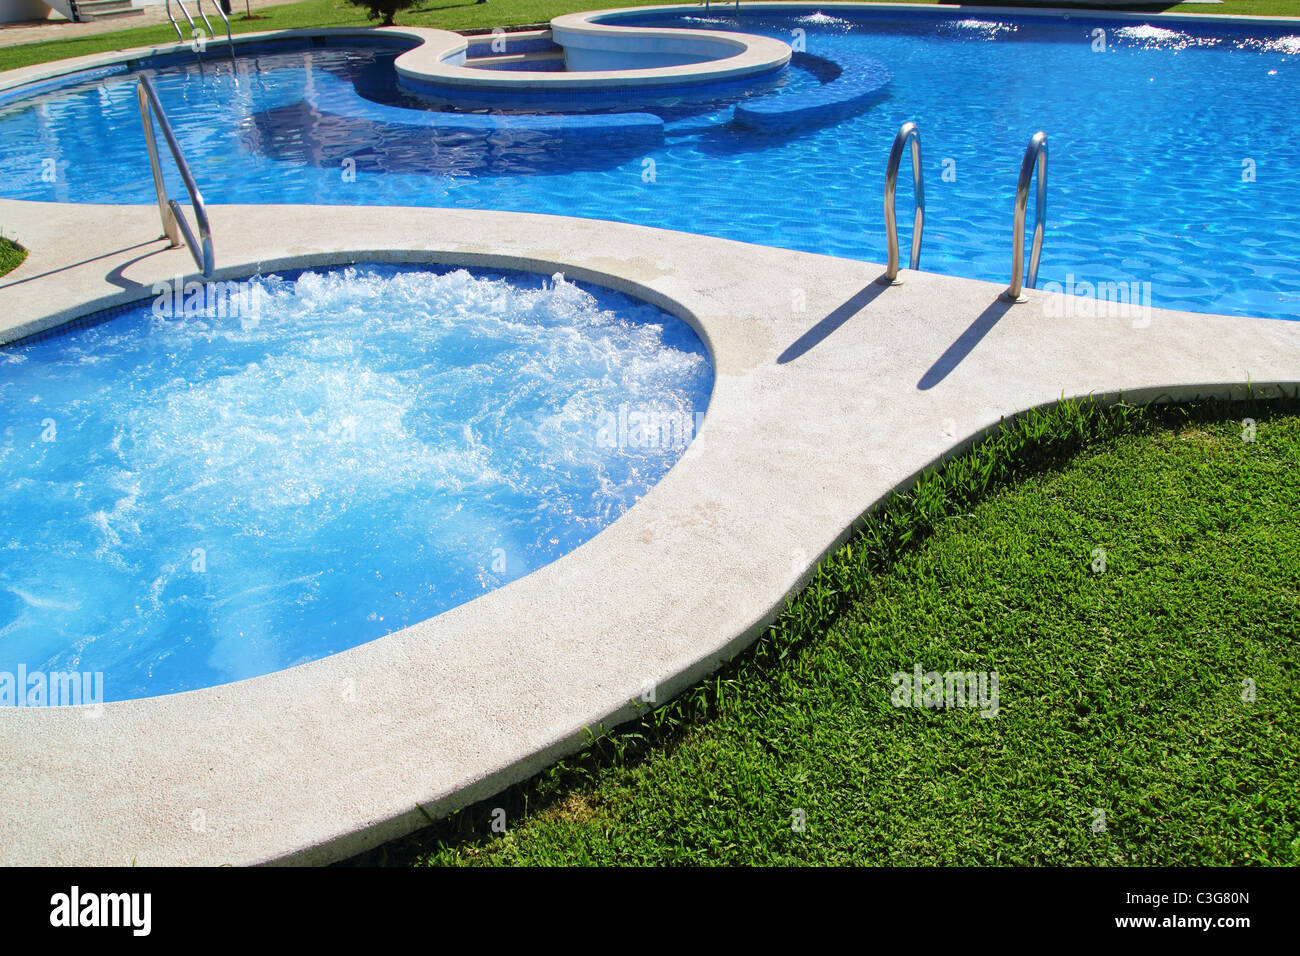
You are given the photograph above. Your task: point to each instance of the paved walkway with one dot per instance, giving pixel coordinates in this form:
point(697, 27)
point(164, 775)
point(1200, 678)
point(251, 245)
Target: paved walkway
point(57, 28)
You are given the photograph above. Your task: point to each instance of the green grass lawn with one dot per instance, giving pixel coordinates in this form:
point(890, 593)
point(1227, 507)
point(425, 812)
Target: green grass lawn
point(11, 255)
point(1120, 690)
point(461, 15)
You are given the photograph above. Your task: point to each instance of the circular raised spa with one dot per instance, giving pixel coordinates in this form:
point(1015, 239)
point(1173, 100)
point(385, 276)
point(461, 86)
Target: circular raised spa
point(598, 58)
point(232, 478)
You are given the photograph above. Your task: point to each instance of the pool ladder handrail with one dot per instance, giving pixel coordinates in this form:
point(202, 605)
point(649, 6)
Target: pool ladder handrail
point(173, 218)
point(176, 26)
point(1035, 156)
point(230, 41)
point(707, 2)
point(906, 132)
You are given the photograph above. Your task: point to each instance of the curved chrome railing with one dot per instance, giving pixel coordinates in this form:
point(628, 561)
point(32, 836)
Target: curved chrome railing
point(906, 132)
point(173, 218)
point(176, 26)
point(198, 4)
point(230, 41)
point(1035, 154)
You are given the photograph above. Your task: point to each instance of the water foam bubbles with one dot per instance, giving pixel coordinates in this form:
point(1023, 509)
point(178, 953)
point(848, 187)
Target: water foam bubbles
point(822, 19)
point(233, 494)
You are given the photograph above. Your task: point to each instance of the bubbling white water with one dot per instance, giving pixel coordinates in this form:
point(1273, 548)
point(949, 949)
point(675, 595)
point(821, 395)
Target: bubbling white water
point(228, 495)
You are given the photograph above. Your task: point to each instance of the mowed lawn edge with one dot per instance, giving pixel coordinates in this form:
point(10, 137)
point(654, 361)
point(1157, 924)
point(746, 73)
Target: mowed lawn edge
point(1131, 575)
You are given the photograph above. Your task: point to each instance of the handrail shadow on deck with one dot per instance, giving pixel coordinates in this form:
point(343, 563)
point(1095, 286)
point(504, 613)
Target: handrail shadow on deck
point(120, 281)
point(964, 344)
point(823, 329)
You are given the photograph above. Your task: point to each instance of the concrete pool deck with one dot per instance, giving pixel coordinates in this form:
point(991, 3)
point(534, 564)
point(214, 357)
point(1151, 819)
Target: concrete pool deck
point(831, 390)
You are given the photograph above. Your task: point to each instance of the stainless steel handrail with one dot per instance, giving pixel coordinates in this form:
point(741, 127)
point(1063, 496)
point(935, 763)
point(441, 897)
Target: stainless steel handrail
point(173, 218)
point(230, 41)
point(906, 132)
point(212, 33)
point(707, 2)
point(176, 26)
point(1035, 155)
point(198, 5)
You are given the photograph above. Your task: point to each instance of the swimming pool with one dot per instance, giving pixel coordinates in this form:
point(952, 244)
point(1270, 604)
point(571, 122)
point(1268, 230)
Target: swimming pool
point(231, 479)
point(1173, 159)
point(1173, 156)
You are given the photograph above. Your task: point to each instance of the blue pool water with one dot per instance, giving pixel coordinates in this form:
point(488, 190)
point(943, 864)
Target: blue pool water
point(1174, 158)
point(211, 495)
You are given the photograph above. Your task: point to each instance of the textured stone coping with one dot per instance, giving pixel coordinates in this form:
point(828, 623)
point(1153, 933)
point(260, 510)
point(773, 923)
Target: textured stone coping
point(862, 82)
point(559, 99)
point(830, 391)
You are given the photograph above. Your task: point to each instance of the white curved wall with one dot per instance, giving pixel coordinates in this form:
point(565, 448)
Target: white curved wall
point(596, 46)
